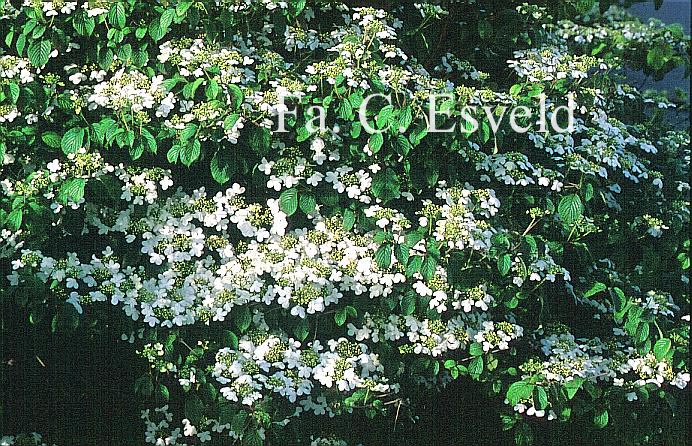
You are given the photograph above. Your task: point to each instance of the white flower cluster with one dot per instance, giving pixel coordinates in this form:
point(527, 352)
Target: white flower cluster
point(52, 8)
point(203, 276)
point(17, 69)
point(596, 360)
point(159, 429)
point(512, 168)
point(553, 64)
point(435, 337)
point(194, 58)
point(32, 439)
point(266, 364)
point(132, 92)
point(622, 34)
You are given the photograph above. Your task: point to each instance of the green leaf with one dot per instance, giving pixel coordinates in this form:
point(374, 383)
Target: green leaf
point(72, 140)
point(190, 152)
point(340, 317)
point(149, 141)
point(72, 190)
point(600, 418)
point(308, 204)
point(504, 264)
point(156, 31)
point(14, 219)
point(301, 330)
point(243, 318)
point(375, 142)
point(194, 409)
point(220, 168)
point(14, 92)
point(82, 23)
point(570, 209)
point(230, 339)
point(405, 119)
point(383, 116)
point(212, 90)
point(51, 139)
point(571, 387)
point(173, 154)
point(661, 348)
point(252, 438)
point(519, 391)
point(190, 88)
point(164, 392)
point(541, 398)
point(428, 267)
point(414, 265)
point(588, 192)
point(39, 53)
point(595, 289)
point(643, 332)
point(349, 219)
point(116, 15)
point(237, 94)
point(476, 349)
point(288, 201)
point(476, 367)
point(485, 29)
point(383, 256)
point(408, 304)
point(260, 140)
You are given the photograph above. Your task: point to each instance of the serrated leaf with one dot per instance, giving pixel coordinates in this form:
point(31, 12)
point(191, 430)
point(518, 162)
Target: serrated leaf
point(375, 142)
point(173, 154)
point(243, 318)
point(349, 219)
point(476, 349)
point(39, 53)
point(519, 391)
point(14, 219)
point(340, 317)
point(662, 347)
point(405, 119)
point(51, 139)
point(504, 264)
point(383, 116)
point(116, 15)
point(408, 304)
point(600, 418)
point(308, 204)
point(595, 289)
point(164, 392)
point(383, 256)
point(301, 330)
point(288, 201)
point(427, 269)
point(194, 409)
point(72, 190)
point(414, 265)
point(72, 140)
point(237, 94)
point(541, 398)
point(570, 209)
point(642, 332)
point(220, 168)
point(190, 152)
point(571, 387)
point(476, 367)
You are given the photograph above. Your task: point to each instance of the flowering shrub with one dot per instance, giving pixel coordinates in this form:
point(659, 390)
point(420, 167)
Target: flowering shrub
point(257, 189)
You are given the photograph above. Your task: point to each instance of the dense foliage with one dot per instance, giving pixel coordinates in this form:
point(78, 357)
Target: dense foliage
point(348, 284)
